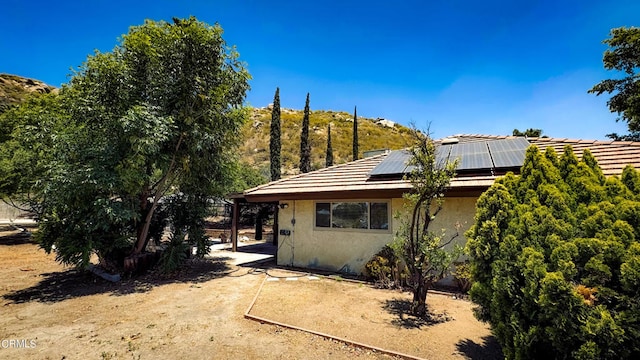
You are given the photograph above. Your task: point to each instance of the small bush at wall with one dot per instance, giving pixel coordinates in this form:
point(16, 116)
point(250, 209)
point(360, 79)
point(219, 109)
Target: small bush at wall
point(462, 276)
point(387, 269)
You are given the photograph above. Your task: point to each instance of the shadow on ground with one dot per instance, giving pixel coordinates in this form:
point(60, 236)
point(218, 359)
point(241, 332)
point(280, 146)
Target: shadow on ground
point(401, 308)
point(265, 248)
point(63, 285)
point(489, 349)
point(12, 237)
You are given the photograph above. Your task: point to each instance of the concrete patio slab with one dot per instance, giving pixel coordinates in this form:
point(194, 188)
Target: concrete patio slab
point(248, 252)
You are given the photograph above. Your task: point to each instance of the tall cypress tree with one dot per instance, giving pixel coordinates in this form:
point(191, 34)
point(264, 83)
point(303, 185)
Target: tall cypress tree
point(305, 147)
point(355, 133)
point(329, 158)
point(274, 142)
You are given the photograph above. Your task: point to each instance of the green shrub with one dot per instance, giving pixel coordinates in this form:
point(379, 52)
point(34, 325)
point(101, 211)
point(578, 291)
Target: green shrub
point(387, 269)
point(462, 276)
point(175, 254)
point(554, 257)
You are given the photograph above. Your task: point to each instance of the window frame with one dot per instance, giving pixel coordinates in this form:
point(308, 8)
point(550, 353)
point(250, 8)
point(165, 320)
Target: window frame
point(331, 202)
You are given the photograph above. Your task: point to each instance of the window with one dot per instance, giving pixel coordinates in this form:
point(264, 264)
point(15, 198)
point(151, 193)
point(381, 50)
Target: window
point(352, 215)
point(379, 216)
point(323, 215)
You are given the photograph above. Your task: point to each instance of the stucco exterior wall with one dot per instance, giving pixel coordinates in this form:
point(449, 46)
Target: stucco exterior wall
point(456, 210)
point(349, 250)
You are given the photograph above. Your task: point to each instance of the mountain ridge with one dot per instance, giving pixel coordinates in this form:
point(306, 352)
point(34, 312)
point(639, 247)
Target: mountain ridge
point(373, 134)
point(14, 89)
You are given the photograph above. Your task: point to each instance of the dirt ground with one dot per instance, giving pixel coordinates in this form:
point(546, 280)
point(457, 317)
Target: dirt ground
point(52, 312)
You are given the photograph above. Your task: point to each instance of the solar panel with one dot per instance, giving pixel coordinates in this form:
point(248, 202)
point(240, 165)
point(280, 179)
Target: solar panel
point(508, 153)
point(442, 154)
point(471, 156)
point(394, 164)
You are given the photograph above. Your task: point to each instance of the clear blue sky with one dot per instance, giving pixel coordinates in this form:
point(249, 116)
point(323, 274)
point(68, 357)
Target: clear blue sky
point(463, 66)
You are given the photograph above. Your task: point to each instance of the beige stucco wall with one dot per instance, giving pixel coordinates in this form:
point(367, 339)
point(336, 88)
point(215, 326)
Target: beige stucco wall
point(456, 210)
point(349, 250)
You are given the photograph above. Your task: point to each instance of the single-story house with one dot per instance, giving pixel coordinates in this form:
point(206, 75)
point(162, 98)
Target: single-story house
point(339, 217)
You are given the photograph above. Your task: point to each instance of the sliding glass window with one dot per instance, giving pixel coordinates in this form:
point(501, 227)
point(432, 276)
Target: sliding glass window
point(352, 215)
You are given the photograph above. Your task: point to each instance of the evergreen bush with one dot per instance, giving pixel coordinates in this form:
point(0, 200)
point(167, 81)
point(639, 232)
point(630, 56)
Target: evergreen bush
point(555, 259)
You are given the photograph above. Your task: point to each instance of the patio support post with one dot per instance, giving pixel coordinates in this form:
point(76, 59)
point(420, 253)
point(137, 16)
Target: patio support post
point(234, 224)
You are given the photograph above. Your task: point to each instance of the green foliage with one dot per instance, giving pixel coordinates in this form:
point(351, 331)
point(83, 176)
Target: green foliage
point(387, 269)
point(528, 133)
point(247, 177)
point(462, 276)
point(275, 145)
point(623, 56)
point(329, 157)
point(631, 136)
point(423, 251)
point(185, 214)
point(355, 134)
point(26, 147)
point(305, 146)
point(554, 259)
point(174, 255)
point(156, 117)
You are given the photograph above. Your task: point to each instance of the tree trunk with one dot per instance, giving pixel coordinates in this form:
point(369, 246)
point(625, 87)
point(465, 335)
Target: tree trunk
point(141, 241)
point(161, 187)
point(419, 304)
point(144, 202)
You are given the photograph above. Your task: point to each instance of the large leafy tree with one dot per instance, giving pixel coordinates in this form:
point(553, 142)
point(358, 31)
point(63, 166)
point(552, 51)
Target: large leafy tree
point(623, 56)
point(305, 146)
point(556, 260)
point(275, 145)
point(427, 253)
point(152, 122)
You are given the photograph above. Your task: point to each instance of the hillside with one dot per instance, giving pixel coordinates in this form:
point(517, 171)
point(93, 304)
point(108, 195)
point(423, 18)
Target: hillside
point(14, 89)
point(373, 134)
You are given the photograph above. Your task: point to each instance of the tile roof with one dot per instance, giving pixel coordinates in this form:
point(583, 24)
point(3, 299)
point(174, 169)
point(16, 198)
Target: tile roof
point(352, 179)
point(352, 176)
